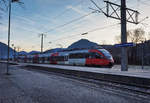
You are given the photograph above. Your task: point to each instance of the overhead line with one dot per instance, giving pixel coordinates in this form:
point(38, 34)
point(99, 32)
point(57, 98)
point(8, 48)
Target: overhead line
point(144, 2)
point(62, 13)
point(74, 20)
point(93, 30)
point(96, 29)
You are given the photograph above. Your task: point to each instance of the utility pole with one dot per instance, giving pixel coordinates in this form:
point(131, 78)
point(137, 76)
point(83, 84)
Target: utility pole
point(42, 39)
point(18, 52)
point(142, 44)
point(0, 53)
point(124, 56)
point(7, 72)
point(14, 53)
point(9, 21)
point(124, 14)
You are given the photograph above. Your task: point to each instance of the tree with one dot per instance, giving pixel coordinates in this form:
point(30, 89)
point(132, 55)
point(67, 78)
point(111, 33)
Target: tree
point(135, 36)
point(118, 39)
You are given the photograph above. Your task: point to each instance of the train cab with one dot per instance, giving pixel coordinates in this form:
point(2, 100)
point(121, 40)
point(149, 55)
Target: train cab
point(99, 57)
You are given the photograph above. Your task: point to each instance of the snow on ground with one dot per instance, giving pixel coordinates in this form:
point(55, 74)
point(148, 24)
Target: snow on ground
point(134, 71)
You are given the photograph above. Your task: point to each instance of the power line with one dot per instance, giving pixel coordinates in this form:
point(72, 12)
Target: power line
point(144, 2)
point(103, 27)
point(74, 20)
point(60, 26)
point(62, 13)
point(111, 12)
point(93, 30)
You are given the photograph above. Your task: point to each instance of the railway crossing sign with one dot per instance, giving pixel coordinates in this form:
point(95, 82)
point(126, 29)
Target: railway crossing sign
point(125, 45)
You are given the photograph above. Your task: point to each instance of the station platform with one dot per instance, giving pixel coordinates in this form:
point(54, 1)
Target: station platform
point(134, 76)
point(31, 86)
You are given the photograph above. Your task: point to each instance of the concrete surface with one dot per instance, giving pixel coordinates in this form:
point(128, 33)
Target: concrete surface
point(134, 71)
point(24, 86)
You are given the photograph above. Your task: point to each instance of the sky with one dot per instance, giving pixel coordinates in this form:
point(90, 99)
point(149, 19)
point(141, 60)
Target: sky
point(61, 24)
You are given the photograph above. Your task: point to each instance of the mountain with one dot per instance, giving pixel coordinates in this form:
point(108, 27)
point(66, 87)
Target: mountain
point(84, 43)
point(4, 49)
point(54, 50)
point(23, 53)
point(81, 44)
point(34, 52)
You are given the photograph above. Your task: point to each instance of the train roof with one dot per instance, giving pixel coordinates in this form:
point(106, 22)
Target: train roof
point(64, 52)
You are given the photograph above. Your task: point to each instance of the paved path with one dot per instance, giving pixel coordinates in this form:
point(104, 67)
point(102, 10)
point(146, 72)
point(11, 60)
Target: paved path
point(24, 86)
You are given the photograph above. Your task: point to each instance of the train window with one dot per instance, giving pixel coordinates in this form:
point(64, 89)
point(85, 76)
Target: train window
point(48, 58)
point(98, 56)
point(95, 55)
point(79, 55)
point(87, 55)
point(71, 56)
point(106, 53)
point(92, 54)
point(60, 58)
point(57, 58)
point(65, 58)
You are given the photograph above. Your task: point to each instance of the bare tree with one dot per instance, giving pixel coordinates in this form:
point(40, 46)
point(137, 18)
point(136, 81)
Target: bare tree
point(135, 36)
point(118, 39)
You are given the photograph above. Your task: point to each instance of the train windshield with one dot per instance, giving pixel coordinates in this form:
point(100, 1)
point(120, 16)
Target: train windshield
point(106, 53)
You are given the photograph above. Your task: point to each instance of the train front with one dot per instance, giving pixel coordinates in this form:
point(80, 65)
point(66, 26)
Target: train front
point(108, 57)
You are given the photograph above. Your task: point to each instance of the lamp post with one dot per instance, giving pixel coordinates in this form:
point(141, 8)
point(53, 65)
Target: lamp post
point(13, 51)
point(14, 54)
point(0, 53)
point(84, 33)
point(7, 72)
point(9, 20)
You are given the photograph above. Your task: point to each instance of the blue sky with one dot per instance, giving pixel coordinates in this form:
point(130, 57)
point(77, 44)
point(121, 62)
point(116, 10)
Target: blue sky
point(38, 16)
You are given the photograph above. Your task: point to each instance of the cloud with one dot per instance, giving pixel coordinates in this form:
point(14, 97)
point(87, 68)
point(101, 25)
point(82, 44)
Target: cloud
point(76, 9)
point(92, 18)
point(3, 28)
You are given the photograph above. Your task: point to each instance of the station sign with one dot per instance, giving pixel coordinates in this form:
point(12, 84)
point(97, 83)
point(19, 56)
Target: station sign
point(125, 45)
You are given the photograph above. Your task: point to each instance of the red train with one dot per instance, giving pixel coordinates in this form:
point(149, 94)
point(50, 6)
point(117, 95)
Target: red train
point(86, 57)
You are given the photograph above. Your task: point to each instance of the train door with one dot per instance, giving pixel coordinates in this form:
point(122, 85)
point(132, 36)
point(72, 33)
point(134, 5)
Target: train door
point(36, 59)
point(53, 58)
point(25, 59)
